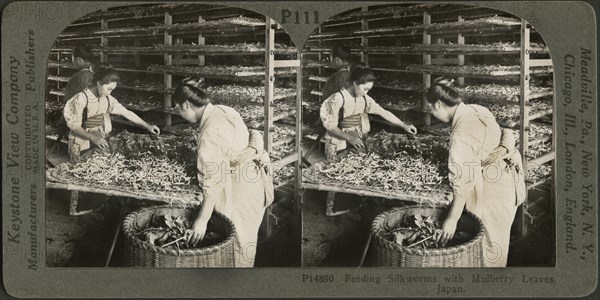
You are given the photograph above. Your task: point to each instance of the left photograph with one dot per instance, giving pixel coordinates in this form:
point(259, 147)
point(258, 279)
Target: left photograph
point(172, 140)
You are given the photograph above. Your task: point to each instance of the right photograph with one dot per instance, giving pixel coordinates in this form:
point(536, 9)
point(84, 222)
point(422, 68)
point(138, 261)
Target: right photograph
point(429, 140)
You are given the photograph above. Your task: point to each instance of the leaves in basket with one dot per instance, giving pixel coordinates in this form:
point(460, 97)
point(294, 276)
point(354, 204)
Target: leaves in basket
point(416, 231)
point(171, 232)
point(151, 237)
point(399, 237)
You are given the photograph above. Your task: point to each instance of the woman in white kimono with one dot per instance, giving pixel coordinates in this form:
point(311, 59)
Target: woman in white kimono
point(87, 114)
point(485, 171)
point(233, 169)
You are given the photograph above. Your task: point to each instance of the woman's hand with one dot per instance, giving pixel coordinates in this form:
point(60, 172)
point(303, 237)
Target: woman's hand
point(100, 142)
point(356, 142)
point(197, 233)
point(153, 129)
point(410, 129)
point(444, 235)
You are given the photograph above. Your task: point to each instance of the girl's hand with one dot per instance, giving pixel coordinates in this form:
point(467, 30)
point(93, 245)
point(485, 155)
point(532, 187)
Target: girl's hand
point(410, 129)
point(198, 231)
point(356, 142)
point(153, 129)
point(444, 235)
point(100, 142)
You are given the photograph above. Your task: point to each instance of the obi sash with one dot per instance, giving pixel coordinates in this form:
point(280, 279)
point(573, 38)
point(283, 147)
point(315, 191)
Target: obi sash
point(96, 120)
point(93, 121)
point(353, 120)
point(350, 121)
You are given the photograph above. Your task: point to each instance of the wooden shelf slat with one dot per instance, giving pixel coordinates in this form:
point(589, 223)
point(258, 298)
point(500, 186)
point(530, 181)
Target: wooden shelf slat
point(543, 159)
point(227, 72)
point(457, 49)
point(492, 72)
point(477, 25)
point(280, 163)
point(235, 24)
point(58, 78)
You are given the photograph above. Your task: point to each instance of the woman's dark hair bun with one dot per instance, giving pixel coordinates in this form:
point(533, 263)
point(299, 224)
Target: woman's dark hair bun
point(192, 81)
point(104, 74)
point(444, 81)
point(358, 66)
point(190, 90)
point(360, 73)
point(442, 90)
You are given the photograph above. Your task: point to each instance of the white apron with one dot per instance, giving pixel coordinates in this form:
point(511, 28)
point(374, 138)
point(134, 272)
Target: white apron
point(244, 190)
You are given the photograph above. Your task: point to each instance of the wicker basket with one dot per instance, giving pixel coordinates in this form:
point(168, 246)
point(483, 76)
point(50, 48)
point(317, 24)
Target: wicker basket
point(390, 254)
point(143, 254)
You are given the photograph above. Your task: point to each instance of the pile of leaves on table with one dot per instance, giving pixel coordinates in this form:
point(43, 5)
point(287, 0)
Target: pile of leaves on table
point(392, 164)
point(139, 162)
point(418, 231)
point(181, 147)
point(172, 232)
point(425, 147)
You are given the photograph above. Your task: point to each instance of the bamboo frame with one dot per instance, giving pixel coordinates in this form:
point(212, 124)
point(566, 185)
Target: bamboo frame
point(168, 78)
point(426, 77)
point(150, 196)
point(367, 193)
point(364, 40)
point(269, 83)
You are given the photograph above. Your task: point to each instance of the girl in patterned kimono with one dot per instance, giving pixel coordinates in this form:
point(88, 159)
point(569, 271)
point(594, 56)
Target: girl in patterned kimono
point(485, 171)
point(233, 169)
point(88, 114)
point(345, 114)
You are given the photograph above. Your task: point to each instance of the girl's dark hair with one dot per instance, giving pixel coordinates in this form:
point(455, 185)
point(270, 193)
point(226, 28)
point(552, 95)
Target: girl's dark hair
point(84, 52)
point(189, 90)
point(360, 73)
point(343, 52)
point(101, 64)
point(105, 74)
point(441, 90)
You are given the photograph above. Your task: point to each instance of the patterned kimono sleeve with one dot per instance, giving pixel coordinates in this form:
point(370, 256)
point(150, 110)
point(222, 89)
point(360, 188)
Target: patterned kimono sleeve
point(73, 111)
point(330, 110)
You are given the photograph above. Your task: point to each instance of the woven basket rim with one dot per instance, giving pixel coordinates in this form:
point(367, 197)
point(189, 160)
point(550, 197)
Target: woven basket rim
point(429, 252)
point(128, 230)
